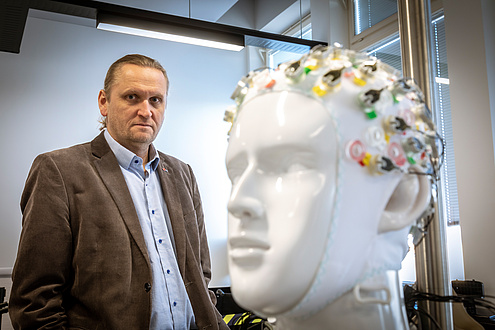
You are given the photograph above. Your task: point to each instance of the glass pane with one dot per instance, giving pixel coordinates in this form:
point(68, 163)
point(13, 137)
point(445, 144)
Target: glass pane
point(369, 12)
point(449, 180)
point(280, 56)
point(388, 52)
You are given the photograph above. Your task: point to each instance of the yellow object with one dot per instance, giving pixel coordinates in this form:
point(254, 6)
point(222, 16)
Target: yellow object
point(319, 91)
point(359, 81)
point(366, 159)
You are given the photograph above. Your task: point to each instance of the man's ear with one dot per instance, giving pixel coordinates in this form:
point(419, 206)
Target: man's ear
point(409, 199)
point(102, 103)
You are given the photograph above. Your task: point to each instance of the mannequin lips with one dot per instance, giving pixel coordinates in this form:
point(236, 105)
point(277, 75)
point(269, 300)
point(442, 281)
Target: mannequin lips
point(246, 250)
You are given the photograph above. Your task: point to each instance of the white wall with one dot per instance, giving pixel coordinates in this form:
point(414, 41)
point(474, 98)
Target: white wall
point(471, 62)
point(48, 96)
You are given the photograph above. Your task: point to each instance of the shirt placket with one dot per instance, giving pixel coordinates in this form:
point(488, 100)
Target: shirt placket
point(162, 243)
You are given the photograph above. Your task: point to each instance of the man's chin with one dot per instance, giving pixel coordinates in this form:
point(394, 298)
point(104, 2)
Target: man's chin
point(143, 136)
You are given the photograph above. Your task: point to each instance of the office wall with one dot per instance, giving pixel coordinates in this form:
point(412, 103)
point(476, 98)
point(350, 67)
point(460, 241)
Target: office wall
point(48, 100)
point(471, 59)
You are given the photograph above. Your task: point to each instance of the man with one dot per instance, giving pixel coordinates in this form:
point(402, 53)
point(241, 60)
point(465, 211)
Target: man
point(113, 234)
point(323, 197)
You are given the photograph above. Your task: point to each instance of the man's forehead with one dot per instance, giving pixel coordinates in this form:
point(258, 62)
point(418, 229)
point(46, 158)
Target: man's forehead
point(132, 78)
point(128, 71)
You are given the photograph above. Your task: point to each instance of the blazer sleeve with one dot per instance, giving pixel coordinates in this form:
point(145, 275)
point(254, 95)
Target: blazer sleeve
point(42, 269)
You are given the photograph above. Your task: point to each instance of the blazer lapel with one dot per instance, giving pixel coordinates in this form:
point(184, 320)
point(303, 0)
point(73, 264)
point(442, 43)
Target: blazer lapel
point(108, 167)
point(172, 198)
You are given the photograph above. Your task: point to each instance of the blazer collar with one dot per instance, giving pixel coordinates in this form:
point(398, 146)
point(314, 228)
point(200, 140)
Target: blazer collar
point(108, 167)
point(172, 198)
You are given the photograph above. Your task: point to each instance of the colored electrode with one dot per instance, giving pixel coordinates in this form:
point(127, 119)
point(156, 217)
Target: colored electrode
point(329, 81)
point(294, 72)
point(400, 132)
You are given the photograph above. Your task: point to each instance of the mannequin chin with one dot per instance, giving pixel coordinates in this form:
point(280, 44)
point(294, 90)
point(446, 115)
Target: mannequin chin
point(318, 222)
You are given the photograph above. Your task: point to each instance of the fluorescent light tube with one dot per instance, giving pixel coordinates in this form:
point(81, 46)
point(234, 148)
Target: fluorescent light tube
point(167, 36)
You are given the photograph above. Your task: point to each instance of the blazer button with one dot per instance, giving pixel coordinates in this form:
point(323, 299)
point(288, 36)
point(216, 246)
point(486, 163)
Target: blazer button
point(147, 287)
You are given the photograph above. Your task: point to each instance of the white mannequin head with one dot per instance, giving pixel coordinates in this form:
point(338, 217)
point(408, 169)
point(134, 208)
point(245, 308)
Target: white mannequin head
point(309, 217)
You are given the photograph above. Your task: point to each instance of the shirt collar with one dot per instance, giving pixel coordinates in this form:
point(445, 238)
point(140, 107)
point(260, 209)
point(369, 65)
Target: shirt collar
point(125, 157)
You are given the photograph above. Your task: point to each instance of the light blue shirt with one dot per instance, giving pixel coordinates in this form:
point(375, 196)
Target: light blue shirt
point(170, 305)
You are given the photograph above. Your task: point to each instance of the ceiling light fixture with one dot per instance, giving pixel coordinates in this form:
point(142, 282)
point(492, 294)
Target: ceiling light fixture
point(129, 20)
point(168, 31)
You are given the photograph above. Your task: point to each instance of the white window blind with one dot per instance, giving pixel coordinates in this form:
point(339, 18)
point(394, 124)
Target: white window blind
point(388, 51)
point(369, 12)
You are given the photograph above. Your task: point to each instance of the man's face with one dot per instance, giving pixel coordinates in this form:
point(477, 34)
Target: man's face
point(135, 106)
point(282, 161)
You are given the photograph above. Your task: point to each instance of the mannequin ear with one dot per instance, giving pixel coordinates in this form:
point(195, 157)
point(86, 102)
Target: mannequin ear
point(409, 199)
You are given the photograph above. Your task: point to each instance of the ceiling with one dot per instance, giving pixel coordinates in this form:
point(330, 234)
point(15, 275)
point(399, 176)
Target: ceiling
point(273, 16)
point(208, 10)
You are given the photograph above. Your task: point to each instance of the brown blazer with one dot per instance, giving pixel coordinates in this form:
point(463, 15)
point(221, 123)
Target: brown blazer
point(82, 261)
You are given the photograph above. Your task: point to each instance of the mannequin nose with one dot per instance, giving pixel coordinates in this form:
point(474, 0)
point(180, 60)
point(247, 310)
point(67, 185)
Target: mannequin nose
point(245, 208)
point(244, 203)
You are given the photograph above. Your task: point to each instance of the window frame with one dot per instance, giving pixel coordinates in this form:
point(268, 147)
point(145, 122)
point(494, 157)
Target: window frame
point(380, 31)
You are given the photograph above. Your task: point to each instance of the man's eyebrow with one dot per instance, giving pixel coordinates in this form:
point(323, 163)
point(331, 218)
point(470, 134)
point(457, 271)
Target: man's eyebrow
point(138, 91)
point(131, 91)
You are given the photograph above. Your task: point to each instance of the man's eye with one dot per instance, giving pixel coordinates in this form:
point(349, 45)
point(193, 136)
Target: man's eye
point(131, 97)
point(155, 100)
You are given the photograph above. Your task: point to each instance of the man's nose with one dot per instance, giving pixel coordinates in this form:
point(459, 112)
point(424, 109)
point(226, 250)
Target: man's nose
point(145, 109)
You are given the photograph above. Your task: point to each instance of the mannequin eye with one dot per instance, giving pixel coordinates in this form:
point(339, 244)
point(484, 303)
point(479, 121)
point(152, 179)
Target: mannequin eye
point(286, 160)
point(234, 176)
point(236, 168)
point(297, 167)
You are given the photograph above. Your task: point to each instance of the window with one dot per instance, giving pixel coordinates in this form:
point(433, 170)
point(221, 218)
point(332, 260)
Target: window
point(301, 29)
point(388, 51)
point(370, 12)
point(374, 20)
point(380, 38)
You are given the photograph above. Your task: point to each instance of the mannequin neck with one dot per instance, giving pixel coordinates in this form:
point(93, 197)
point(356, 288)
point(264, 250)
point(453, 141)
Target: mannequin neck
point(376, 303)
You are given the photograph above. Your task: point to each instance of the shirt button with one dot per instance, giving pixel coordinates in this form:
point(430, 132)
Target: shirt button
point(136, 161)
point(147, 287)
point(168, 271)
point(175, 303)
point(160, 241)
point(152, 211)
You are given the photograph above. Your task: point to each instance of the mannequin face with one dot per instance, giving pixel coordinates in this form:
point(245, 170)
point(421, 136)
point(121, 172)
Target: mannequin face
point(282, 164)
point(316, 209)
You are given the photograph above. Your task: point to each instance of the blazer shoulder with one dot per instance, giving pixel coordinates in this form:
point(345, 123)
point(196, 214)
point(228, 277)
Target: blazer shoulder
point(69, 154)
point(174, 163)
point(98, 147)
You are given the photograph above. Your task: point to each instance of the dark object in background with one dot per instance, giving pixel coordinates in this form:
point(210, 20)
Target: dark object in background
point(481, 310)
point(470, 293)
point(3, 305)
point(226, 304)
point(236, 317)
point(472, 289)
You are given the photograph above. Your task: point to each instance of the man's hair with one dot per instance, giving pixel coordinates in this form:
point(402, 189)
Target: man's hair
point(113, 71)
